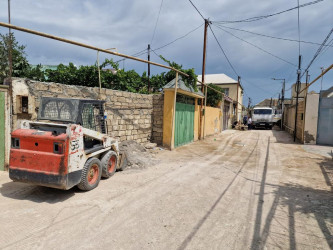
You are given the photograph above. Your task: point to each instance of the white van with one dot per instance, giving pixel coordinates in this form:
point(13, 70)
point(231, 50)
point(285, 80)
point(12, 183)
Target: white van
point(263, 117)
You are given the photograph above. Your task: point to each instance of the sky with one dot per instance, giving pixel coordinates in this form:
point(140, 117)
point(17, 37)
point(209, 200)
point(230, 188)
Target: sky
point(129, 26)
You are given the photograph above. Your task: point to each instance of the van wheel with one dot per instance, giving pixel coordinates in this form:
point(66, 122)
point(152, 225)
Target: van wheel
point(109, 164)
point(91, 174)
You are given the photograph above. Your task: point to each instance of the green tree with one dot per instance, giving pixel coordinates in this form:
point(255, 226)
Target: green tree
point(20, 62)
point(190, 81)
point(21, 66)
point(213, 97)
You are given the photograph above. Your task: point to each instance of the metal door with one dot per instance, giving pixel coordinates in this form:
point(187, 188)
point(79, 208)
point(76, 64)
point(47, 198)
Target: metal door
point(184, 124)
point(2, 130)
point(325, 120)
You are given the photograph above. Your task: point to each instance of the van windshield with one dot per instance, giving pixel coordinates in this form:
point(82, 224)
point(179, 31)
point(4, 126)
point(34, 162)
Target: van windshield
point(262, 111)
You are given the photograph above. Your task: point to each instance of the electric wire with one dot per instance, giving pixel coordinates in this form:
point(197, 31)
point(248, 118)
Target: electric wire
point(145, 51)
point(252, 19)
point(268, 36)
point(317, 52)
point(232, 67)
point(198, 10)
point(258, 47)
point(167, 44)
point(329, 44)
point(158, 17)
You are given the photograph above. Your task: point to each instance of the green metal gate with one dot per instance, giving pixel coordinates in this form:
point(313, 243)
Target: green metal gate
point(2, 130)
point(184, 124)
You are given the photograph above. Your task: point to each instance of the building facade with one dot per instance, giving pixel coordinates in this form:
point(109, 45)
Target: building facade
point(232, 89)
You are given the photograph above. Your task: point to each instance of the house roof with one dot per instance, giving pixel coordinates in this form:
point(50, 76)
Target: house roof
point(267, 103)
point(217, 79)
point(188, 90)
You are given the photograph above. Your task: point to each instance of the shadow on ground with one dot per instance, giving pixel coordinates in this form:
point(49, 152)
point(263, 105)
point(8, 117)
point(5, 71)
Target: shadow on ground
point(297, 199)
point(23, 191)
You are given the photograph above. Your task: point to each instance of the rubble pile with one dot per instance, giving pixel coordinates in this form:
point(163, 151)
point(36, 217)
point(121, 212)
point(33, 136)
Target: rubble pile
point(138, 156)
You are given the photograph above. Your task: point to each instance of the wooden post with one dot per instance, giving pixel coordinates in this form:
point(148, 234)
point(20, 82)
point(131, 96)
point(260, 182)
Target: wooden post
point(203, 73)
point(174, 115)
point(99, 76)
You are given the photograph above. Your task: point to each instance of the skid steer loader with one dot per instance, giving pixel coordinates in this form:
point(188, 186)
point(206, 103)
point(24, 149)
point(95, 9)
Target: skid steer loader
point(68, 145)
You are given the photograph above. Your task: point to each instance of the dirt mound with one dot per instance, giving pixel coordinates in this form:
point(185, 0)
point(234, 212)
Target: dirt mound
point(138, 156)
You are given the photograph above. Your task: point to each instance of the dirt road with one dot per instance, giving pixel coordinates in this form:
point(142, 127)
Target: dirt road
point(239, 190)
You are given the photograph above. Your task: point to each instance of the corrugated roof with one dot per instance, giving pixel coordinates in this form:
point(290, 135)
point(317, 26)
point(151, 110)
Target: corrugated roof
point(217, 79)
point(181, 85)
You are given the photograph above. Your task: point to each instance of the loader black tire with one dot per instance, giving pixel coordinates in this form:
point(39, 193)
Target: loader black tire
point(91, 174)
point(109, 164)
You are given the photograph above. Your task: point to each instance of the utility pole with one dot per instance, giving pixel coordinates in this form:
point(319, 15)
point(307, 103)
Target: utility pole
point(148, 68)
point(308, 78)
point(321, 83)
point(203, 74)
point(10, 59)
point(297, 93)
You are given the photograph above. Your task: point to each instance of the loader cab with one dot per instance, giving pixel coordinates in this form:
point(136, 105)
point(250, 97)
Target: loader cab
point(87, 113)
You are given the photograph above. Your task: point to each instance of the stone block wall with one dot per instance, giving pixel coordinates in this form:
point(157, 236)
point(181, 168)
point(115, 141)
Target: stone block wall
point(157, 133)
point(130, 116)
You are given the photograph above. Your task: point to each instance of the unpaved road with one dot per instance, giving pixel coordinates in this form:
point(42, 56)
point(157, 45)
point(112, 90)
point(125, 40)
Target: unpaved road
point(239, 190)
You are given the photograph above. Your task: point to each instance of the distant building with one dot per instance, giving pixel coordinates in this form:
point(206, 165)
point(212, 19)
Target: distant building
point(273, 103)
point(231, 87)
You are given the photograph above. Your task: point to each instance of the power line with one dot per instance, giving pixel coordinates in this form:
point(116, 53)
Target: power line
point(142, 52)
point(223, 51)
point(165, 45)
point(258, 47)
point(268, 36)
point(197, 10)
point(329, 44)
point(318, 52)
point(158, 17)
point(252, 19)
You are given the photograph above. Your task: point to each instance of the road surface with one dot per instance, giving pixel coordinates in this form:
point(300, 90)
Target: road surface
point(238, 190)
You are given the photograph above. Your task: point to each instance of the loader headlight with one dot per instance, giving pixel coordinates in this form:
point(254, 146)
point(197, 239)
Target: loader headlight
point(15, 143)
point(58, 148)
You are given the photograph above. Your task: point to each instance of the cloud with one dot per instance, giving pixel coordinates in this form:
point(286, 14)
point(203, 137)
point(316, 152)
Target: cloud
point(128, 26)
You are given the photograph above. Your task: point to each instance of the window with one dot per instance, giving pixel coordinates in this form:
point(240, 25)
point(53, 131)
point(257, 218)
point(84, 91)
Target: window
point(22, 104)
point(25, 104)
point(226, 91)
point(263, 111)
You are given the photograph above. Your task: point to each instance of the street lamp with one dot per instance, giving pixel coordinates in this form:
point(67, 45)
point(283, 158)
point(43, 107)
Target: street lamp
point(282, 97)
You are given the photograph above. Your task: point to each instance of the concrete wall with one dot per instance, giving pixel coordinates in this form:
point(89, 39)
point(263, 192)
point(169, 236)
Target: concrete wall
point(311, 118)
point(131, 116)
point(289, 120)
point(301, 93)
point(5, 133)
point(213, 121)
point(196, 120)
point(168, 108)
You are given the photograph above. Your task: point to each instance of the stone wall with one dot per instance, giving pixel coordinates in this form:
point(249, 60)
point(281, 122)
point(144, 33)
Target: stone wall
point(131, 116)
point(157, 133)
